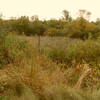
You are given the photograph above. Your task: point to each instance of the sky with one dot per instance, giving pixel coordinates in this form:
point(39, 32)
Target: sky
point(47, 9)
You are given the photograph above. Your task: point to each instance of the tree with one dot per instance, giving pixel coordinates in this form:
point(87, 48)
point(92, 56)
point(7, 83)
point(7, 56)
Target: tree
point(34, 18)
point(53, 23)
point(21, 24)
point(81, 28)
point(66, 15)
point(38, 27)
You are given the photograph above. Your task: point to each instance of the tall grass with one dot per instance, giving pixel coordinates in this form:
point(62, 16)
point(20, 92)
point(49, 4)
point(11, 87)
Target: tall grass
point(35, 76)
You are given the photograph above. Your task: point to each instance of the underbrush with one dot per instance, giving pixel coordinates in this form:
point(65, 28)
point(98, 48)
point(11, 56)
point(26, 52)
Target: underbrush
point(46, 81)
point(30, 75)
point(79, 52)
point(76, 54)
point(13, 50)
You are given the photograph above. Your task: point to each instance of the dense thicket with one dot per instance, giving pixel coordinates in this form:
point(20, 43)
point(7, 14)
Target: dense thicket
point(80, 27)
point(13, 49)
point(50, 68)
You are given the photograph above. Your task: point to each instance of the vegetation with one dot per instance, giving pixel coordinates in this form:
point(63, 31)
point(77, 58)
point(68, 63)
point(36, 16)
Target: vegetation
point(80, 27)
point(13, 50)
point(62, 63)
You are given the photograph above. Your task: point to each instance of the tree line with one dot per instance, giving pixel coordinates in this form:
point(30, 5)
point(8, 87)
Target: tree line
point(81, 27)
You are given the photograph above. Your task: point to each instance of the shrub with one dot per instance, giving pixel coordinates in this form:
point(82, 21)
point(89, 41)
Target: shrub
point(80, 52)
point(80, 28)
point(4, 98)
point(76, 54)
point(55, 32)
point(57, 55)
point(87, 52)
point(13, 49)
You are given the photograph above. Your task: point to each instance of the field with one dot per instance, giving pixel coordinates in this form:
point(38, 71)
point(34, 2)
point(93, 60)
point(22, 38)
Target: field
point(49, 68)
point(49, 58)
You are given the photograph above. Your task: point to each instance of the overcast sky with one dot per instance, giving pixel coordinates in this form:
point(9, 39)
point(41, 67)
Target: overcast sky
point(47, 9)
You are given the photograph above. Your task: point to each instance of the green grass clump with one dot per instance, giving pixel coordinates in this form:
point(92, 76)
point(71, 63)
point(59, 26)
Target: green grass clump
point(43, 79)
point(76, 54)
point(80, 52)
point(86, 51)
point(13, 49)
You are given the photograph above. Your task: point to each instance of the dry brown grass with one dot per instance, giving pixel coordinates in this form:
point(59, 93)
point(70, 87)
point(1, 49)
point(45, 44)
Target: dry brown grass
point(39, 74)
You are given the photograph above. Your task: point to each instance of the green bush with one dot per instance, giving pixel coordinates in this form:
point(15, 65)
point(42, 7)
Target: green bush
point(55, 32)
point(57, 55)
point(80, 52)
point(81, 29)
point(87, 52)
point(13, 49)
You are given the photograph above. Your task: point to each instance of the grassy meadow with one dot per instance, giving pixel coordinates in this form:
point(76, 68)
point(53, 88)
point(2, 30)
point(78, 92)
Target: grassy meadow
point(57, 68)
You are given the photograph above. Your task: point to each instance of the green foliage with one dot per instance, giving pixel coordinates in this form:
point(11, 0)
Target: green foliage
point(58, 55)
point(13, 50)
point(54, 32)
point(80, 28)
point(16, 51)
point(38, 28)
point(76, 54)
point(21, 25)
point(84, 52)
point(4, 98)
point(24, 25)
point(80, 52)
point(53, 23)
